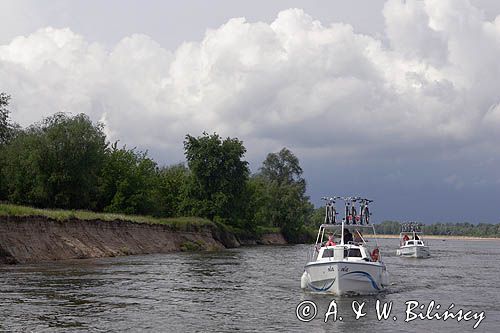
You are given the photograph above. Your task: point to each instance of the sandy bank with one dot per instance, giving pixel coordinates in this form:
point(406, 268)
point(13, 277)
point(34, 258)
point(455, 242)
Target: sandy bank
point(38, 238)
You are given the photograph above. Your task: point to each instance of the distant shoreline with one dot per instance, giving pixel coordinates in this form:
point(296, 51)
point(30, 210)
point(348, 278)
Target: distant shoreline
point(440, 237)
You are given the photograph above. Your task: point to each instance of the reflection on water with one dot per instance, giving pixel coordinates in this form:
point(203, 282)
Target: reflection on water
point(252, 289)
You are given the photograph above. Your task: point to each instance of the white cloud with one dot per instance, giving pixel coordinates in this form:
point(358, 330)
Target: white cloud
point(315, 87)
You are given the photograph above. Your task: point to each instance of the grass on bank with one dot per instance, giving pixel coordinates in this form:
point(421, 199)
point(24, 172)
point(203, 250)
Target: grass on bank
point(178, 223)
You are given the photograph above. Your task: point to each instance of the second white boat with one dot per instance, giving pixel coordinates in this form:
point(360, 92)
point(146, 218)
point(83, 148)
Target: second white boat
point(411, 242)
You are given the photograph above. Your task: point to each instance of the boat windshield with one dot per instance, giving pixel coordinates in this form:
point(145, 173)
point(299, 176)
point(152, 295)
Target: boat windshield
point(352, 253)
point(348, 253)
point(411, 242)
point(327, 253)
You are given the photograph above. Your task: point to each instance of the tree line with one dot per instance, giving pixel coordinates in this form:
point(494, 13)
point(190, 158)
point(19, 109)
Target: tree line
point(445, 229)
point(65, 161)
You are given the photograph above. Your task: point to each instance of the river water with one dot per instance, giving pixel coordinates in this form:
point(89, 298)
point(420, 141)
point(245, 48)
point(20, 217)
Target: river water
point(251, 289)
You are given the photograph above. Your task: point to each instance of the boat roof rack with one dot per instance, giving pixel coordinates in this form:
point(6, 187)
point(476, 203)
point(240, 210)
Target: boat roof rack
point(337, 225)
point(411, 227)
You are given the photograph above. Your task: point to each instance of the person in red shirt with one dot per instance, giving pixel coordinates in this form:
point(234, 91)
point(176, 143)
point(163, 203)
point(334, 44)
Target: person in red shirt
point(330, 241)
point(405, 238)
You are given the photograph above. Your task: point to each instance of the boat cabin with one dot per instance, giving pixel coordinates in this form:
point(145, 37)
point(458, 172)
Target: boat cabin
point(411, 238)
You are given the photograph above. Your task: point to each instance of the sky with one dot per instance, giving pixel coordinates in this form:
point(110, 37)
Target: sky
point(396, 100)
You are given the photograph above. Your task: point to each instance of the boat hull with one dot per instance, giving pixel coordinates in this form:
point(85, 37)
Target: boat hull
point(345, 278)
point(414, 251)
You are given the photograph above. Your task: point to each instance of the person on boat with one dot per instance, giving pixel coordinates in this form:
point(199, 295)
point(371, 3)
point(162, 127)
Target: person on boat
point(416, 237)
point(375, 254)
point(347, 236)
point(358, 237)
point(405, 238)
point(330, 241)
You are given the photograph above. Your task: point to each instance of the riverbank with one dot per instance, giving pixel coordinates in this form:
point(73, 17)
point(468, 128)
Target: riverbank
point(31, 235)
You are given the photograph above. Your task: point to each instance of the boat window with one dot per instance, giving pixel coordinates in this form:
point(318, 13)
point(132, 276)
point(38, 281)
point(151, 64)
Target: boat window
point(419, 243)
point(352, 253)
point(327, 253)
point(410, 242)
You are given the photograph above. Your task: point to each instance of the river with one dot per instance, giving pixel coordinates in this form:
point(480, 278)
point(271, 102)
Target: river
point(249, 289)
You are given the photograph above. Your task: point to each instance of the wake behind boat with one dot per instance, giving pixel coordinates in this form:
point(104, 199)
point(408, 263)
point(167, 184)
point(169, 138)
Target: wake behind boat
point(345, 263)
point(411, 242)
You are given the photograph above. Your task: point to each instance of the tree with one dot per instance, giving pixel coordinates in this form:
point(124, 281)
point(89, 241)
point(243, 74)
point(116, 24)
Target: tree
point(4, 118)
point(172, 182)
point(317, 217)
point(20, 179)
point(55, 163)
point(128, 182)
point(218, 177)
point(286, 205)
point(388, 228)
point(282, 168)
point(8, 130)
point(259, 196)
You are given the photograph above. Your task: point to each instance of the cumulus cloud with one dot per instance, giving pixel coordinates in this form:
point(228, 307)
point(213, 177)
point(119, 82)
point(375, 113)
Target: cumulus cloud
point(430, 86)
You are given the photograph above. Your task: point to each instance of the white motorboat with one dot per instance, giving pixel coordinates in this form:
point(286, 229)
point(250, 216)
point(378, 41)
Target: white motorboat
point(411, 242)
point(345, 264)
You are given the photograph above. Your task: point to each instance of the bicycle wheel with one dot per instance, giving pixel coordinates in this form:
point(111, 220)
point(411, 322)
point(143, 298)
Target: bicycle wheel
point(367, 215)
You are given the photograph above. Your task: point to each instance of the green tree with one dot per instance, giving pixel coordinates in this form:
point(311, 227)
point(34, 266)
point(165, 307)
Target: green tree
point(55, 163)
point(286, 204)
point(258, 197)
point(172, 182)
point(128, 182)
point(317, 217)
point(283, 168)
point(20, 177)
point(218, 178)
point(4, 118)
